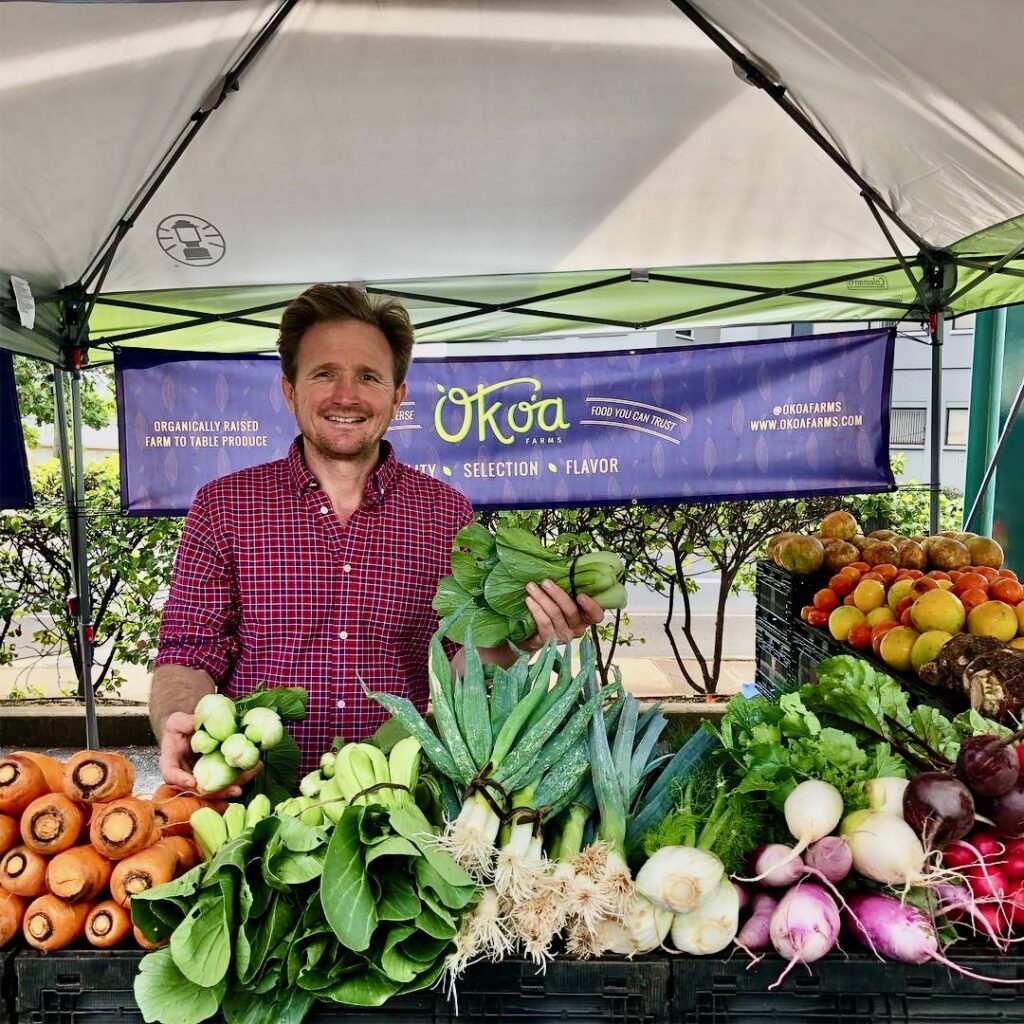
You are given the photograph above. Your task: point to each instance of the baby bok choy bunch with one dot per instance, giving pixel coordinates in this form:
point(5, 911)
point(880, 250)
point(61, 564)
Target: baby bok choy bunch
point(231, 735)
point(486, 591)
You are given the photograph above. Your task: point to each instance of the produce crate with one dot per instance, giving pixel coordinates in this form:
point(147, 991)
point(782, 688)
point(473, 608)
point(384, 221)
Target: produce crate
point(773, 654)
point(838, 990)
point(781, 595)
point(91, 987)
point(7, 985)
point(811, 645)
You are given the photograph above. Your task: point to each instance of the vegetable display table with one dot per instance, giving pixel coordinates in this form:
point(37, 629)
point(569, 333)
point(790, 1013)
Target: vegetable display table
point(90, 987)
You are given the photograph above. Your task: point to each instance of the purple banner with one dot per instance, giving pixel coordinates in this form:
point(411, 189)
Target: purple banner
point(796, 416)
point(15, 488)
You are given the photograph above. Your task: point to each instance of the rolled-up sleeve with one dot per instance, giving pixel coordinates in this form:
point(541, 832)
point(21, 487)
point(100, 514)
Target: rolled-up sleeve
point(198, 628)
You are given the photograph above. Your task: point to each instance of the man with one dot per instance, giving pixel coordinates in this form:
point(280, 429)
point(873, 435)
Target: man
point(319, 569)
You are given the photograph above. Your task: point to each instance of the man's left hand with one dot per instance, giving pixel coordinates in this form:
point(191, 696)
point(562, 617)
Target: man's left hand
point(558, 615)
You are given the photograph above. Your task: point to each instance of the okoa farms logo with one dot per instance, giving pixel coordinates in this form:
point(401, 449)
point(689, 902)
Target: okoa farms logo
point(190, 240)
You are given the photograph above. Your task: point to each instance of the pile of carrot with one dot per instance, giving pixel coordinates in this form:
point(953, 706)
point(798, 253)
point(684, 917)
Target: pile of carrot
point(76, 845)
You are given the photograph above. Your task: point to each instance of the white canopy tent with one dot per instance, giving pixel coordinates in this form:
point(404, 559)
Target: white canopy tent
point(171, 174)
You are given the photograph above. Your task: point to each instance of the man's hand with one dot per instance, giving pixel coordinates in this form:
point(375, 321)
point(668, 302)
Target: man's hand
point(558, 616)
point(177, 758)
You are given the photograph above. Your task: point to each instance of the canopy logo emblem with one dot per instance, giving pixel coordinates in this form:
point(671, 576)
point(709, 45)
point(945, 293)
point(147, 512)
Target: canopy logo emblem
point(191, 240)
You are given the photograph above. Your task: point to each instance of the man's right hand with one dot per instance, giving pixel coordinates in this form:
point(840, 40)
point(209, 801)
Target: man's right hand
point(177, 758)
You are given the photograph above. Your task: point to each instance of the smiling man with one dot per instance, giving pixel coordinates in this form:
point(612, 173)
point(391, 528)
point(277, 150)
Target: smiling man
point(319, 569)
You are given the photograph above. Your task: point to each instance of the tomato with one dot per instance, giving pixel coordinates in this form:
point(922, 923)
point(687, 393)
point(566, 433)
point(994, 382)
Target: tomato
point(859, 637)
point(914, 574)
point(987, 571)
point(968, 581)
point(848, 570)
point(937, 574)
point(878, 631)
point(904, 604)
point(874, 575)
point(817, 618)
point(1008, 574)
point(906, 619)
point(826, 600)
point(842, 583)
point(805, 611)
point(1014, 908)
point(862, 566)
point(1008, 591)
point(849, 600)
point(972, 598)
point(887, 572)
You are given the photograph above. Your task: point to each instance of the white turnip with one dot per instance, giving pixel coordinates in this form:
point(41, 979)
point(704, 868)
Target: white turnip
point(887, 850)
point(804, 926)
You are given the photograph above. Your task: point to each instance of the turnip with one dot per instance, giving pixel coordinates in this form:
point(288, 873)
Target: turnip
point(754, 935)
point(812, 810)
point(679, 878)
point(830, 857)
point(804, 926)
point(711, 926)
point(776, 865)
point(886, 794)
point(902, 933)
point(886, 849)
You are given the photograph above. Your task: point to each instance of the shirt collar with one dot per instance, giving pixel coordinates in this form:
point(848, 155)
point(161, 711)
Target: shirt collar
point(380, 481)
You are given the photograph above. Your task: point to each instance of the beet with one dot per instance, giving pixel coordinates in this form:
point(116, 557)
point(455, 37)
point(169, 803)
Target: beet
point(938, 808)
point(987, 765)
point(1008, 810)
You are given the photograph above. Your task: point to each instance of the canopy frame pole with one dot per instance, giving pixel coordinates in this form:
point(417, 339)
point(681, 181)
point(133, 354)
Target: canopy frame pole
point(991, 468)
point(96, 269)
point(884, 228)
point(988, 272)
point(777, 91)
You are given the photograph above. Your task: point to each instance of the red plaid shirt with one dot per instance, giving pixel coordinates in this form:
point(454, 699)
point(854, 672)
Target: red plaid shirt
point(269, 587)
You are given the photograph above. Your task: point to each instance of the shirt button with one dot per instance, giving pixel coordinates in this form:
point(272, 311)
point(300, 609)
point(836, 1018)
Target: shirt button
point(343, 635)
point(346, 567)
point(341, 704)
point(323, 510)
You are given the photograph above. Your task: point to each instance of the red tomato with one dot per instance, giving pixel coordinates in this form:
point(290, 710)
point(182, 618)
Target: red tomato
point(861, 566)
point(859, 637)
point(849, 599)
point(805, 611)
point(1008, 591)
point(972, 598)
point(826, 600)
point(817, 618)
point(842, 584)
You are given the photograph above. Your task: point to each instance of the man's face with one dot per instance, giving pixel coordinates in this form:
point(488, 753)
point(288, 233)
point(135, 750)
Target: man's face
point(344, 396)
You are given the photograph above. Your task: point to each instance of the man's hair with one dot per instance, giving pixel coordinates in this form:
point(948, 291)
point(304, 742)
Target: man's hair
point(323, 303)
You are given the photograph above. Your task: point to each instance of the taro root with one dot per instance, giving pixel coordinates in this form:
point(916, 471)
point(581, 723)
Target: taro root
point(995, 682)
point(948, 668)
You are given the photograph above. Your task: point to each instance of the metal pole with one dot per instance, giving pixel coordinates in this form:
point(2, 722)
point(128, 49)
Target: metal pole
point(938, 326)
point(991, 470)
point(85, 627)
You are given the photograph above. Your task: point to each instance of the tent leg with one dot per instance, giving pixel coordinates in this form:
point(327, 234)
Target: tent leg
point(938, 326)
point(73, 478)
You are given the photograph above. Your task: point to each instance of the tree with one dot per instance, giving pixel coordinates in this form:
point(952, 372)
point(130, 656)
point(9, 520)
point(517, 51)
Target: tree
point(34, 381)
point(129, 561)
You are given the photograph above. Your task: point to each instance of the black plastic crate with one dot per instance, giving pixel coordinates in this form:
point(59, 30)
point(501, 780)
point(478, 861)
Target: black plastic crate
point(781, 595)
point(7, 985)
point(811, 645)
point(838, 990)
point(93, 987)
point(773, 654)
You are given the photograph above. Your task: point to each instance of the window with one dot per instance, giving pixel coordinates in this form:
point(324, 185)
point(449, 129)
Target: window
point(962, 324)
point(956, 428)
point(907, 427)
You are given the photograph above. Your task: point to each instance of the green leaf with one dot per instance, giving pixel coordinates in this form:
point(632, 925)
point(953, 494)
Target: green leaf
point(166, 995)
point(368, 987)
point(289, 1006)
point(201, 944)
point(288, 701)
point(930, 725)
point(450, 598)
point(344, 888)
point(399, 901)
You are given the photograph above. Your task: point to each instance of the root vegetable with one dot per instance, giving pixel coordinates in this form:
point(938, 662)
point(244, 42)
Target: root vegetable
point(97, 776)
point(21, 782)
point(23, 872)
point(938, 808)
point(51, 924)
point(777, 866)
point(830, 857)
point(52, 823)
point(78, 875)
point(804, 926)
point(141, 871)
point(12, 912)
point(123, 827)
point(886, 794)
point(9, 833)
point(52, 769)
point(755, 934)
point(887, 850)
point(1008, 810)
point(988, 765)
point(107, 925)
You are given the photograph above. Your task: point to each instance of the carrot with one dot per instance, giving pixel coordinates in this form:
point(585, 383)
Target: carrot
point(78, 875)
point(12, 912)
point(23, 872)
point(21, 781)
point(185, 850)
point(52, 769)
point(123, 827)
point(51, 924)
point(52, 823)
point(164, 792)
point(141, 871)
point(92, 775)
point(107, 924)
point(9, 833)
point(172, 816)
point(144, 943)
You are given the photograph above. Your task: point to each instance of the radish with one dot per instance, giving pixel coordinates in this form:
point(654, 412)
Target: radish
point(830, 857)
point(804, 926)
point(902, 932)
point(987, 882)
point(776, 865)
point(1015, 865)
point(754, 935)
